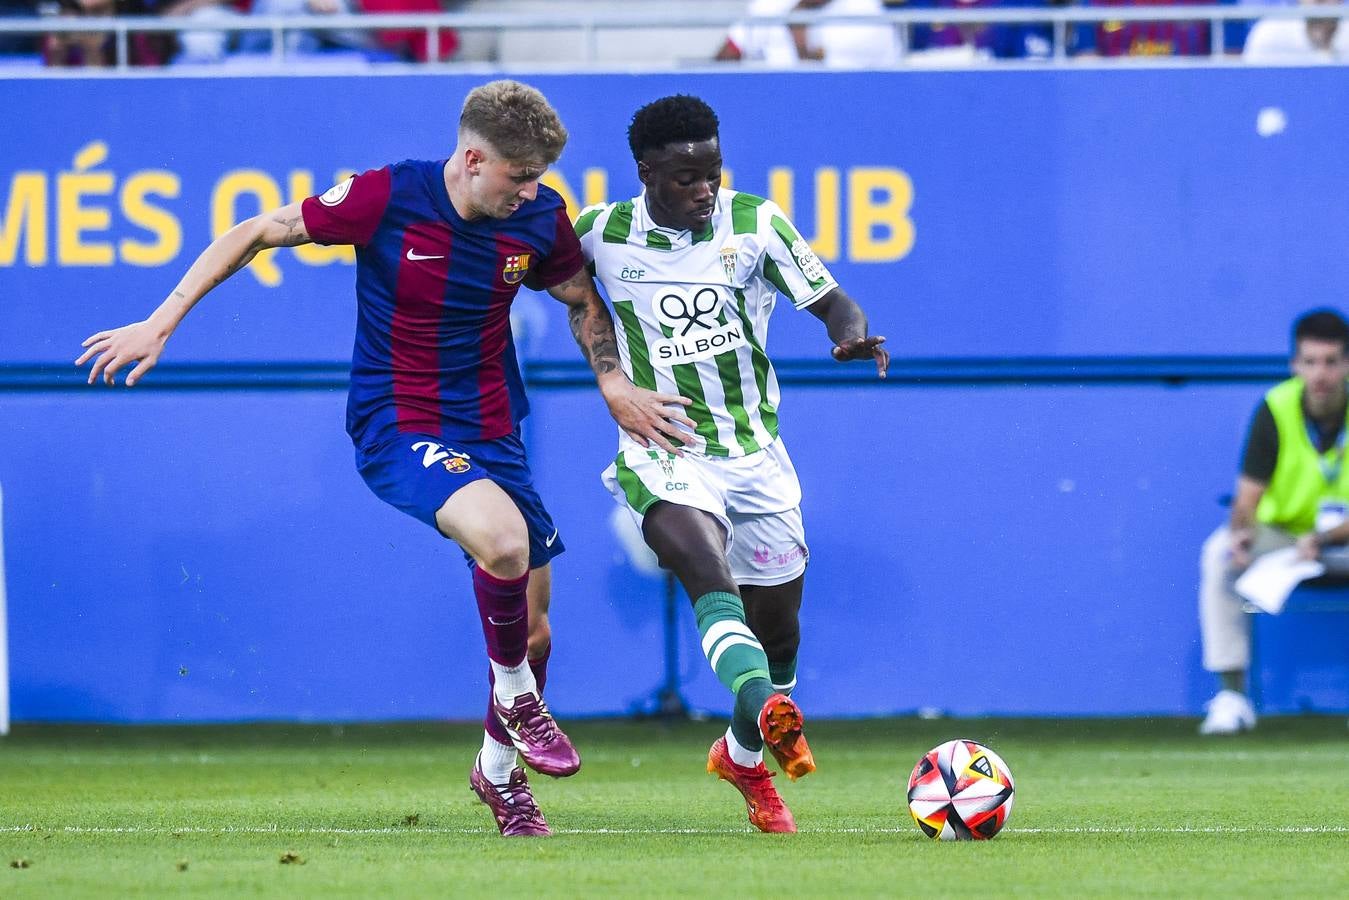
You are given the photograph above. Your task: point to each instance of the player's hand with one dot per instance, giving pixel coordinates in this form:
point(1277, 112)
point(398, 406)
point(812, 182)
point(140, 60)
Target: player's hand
point(1239, 556)
point(1309, 546)
point(864, 348)
point(139, 342)
point(647, 416)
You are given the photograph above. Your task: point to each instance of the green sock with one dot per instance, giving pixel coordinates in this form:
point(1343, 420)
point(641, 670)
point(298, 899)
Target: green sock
point(738, 659)
point(749, 701)
point(783, 675)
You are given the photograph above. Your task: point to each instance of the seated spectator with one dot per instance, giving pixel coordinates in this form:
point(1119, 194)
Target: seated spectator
point(1138, 38)
point(410, 43)
point(1298, 41)
point(300, 42)
point(1293, 491)
point(207, 45)
point(842, 45)
point(99, 48)
point(968, 43)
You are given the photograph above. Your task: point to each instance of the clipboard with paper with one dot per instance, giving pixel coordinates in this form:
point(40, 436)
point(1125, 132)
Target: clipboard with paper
point(1270, 580)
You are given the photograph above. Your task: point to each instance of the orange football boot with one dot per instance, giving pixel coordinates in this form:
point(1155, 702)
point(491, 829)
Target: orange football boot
point(780, 723)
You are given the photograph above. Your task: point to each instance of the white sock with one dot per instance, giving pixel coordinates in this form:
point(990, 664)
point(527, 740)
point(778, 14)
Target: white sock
point(512, 681)
point(497, 761)
point(739, 755)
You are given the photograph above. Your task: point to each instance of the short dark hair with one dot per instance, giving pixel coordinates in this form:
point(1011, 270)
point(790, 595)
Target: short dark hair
point(1321, 325)
point(670, 120)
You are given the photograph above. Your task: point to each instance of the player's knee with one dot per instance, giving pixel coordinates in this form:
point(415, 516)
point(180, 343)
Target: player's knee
point(506, 556)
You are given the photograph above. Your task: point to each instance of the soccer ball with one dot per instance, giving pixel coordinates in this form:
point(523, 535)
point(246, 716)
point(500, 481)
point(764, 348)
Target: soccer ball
point(961, 791)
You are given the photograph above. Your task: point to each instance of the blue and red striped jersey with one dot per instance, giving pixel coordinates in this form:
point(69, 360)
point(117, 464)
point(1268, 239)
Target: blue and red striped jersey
point(1119, 38)
point(433, 351)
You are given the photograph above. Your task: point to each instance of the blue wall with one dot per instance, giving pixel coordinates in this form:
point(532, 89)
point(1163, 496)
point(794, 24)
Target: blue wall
point(207, 554)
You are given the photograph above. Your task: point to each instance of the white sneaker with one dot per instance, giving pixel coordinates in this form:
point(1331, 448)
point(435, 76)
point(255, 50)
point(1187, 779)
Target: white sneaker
point(1229, 712)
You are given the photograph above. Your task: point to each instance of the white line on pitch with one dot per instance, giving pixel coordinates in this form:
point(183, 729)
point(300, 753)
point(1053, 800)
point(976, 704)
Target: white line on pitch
point(415, 829)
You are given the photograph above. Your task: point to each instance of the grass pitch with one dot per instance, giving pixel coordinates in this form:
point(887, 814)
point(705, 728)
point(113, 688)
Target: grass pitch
point(1104, 808)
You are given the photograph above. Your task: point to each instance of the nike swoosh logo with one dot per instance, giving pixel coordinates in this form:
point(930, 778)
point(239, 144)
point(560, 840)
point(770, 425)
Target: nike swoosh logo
point(493, 621)
point(549, 542)
point(413, 256)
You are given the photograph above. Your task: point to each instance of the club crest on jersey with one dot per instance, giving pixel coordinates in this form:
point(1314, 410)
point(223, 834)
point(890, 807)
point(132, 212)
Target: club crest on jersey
point(728, 262)
point(516, 268)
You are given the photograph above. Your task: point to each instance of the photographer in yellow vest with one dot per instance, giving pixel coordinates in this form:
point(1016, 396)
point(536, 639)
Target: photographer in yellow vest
point(1293, 490)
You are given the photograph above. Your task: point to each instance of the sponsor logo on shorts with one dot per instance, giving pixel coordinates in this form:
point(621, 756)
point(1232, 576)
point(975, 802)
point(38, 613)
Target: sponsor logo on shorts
point(433, 453)
point(767, 557)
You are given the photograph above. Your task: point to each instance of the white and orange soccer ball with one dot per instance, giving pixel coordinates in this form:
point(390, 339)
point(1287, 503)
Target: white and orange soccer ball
point(961, 791)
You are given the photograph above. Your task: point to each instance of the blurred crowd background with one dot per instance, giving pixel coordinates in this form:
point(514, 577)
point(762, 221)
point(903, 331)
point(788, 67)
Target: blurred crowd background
point(526, 37)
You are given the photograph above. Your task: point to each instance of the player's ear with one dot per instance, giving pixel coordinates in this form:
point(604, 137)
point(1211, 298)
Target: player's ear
point(473, 159)
point(643, 172)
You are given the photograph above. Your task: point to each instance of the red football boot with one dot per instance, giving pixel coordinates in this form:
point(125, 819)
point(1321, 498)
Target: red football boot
point(767, 812)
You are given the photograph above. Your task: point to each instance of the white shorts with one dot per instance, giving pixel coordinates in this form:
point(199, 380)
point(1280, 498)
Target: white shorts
point(756, 498)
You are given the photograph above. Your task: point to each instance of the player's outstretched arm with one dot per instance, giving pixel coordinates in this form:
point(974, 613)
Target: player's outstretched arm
point(143, 342)
point(647, 416)
point(847, 326)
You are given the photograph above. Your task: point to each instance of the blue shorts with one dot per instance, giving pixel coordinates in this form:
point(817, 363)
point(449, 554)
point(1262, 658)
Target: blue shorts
point(417, 473)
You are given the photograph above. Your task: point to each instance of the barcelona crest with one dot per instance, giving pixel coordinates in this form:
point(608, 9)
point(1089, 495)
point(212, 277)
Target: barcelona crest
point(516, 268)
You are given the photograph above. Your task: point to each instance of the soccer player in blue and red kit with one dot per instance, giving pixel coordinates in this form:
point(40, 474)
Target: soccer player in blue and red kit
point(436, 396)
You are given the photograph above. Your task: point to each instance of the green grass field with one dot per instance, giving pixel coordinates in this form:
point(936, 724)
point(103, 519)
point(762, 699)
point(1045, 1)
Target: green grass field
point(1103, 808)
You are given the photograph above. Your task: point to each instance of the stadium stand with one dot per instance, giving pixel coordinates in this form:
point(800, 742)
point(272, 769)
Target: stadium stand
point(637, 35)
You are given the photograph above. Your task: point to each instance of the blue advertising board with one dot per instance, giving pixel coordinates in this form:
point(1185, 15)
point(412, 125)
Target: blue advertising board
point(211, 554)
point(1143, 212)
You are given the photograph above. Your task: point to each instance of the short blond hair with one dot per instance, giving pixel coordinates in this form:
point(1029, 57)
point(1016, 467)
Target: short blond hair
point(516, 119)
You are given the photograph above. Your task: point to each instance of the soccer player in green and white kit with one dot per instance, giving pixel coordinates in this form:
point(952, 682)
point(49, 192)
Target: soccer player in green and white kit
point(693, 272)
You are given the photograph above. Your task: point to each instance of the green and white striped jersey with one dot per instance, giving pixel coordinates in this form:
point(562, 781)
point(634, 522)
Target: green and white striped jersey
point(691, 310)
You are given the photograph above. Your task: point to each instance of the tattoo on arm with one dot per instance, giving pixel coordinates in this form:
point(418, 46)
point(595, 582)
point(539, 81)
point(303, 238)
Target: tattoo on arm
point(590, 322)
point(594, 333)
point(295, 233)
